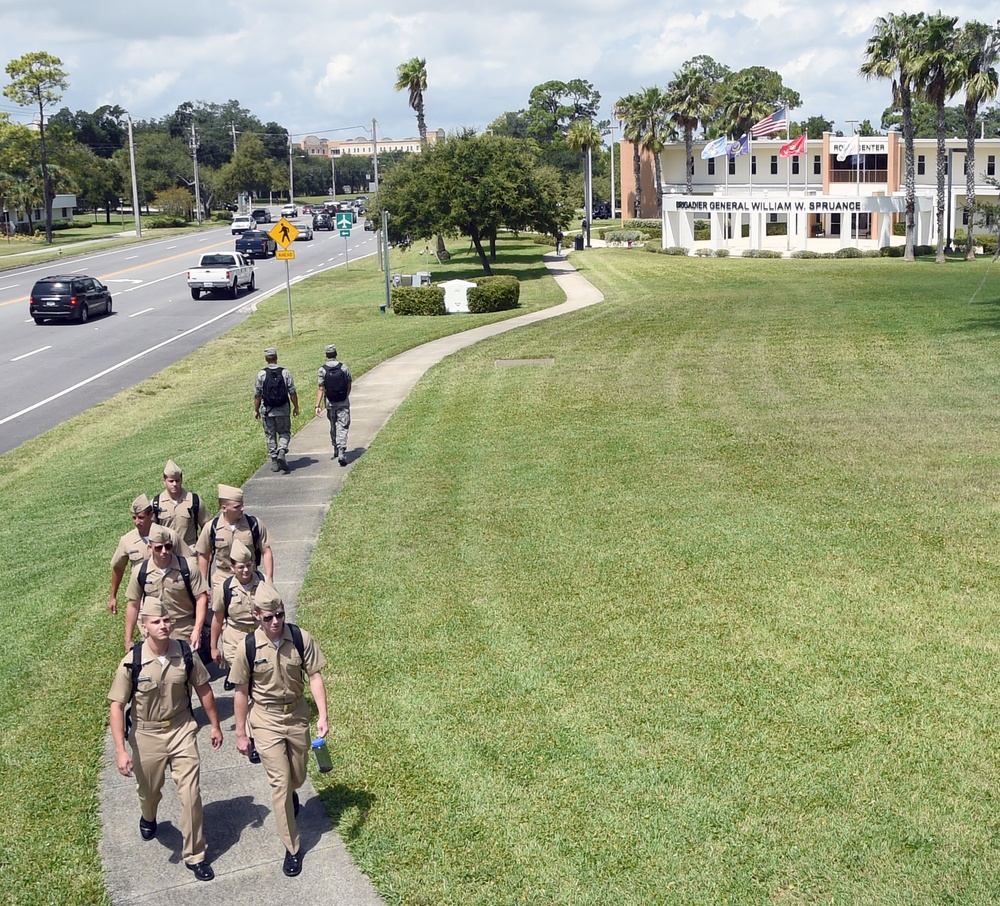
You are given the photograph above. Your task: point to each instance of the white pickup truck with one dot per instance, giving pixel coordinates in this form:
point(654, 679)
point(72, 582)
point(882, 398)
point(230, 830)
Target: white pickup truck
point(225, 271)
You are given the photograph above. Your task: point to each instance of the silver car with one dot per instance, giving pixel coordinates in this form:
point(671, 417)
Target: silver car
point(305, 231)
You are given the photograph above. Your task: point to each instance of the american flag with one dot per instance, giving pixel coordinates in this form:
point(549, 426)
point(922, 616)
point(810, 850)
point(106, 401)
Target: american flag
point(776, 122)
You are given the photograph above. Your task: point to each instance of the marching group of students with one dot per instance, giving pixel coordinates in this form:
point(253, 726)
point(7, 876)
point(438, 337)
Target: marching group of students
point(200, 591)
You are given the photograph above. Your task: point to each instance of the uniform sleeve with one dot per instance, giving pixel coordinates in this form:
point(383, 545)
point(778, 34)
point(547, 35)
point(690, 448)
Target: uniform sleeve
point(181, 547)
point(198, 584)
point(121, 686)
point(133, 592)
point(204, 544)
point(239, 671)
point(199, 675)
point(258, 387)
point(321, 375)
point(289, 380)
point(203, 516)
point(265, 537)
point(120, 557)
point(313, 660)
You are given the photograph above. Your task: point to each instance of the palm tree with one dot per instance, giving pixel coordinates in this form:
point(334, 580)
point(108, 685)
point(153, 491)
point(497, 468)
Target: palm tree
point(690, 99)
point(627, 112)
point(938, 74)
point(889, 56)
point(979, 49)
point(651, 114)
point(412, 76)
point(584, 136)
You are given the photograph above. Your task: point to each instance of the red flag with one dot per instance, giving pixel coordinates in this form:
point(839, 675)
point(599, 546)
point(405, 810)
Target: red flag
point(794, 148)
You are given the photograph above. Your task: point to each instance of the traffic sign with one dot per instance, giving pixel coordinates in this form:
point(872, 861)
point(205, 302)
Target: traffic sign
point(346, 234)
point(285, 255)
point(344, 221)
point(284, 233)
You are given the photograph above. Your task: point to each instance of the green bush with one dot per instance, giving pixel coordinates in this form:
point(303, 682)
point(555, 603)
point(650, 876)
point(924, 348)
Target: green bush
point(703, 253)
point(700, 235)
point(848, 252)
point(418, 300)
point(624, 237)
point(892, 251)
point(806, 253)
point(722, 253)
point(919, 250)
point(498, 293)
point(163, 221)
point(675, 250)
point(871, 253)
point(653, 228)
point(63, 225)
point(989, 243)
point(899, 228)
point(761, 253)
point(776, 229)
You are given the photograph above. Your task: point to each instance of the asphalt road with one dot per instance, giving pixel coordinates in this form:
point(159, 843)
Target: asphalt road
point(53, 371)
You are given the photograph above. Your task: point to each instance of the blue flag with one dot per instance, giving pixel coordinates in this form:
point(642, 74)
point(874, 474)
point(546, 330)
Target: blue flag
point(715, 148)
point(740, 146)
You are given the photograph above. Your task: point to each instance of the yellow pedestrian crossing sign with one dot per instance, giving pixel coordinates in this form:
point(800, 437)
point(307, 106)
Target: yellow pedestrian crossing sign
point(284, 233)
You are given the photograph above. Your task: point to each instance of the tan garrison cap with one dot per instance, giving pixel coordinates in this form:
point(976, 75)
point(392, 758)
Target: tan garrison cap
point(226, 492)
point(266, 597)
point(141, 504)
point(159, 534)
point(240, 553)
point(152, 607)
point(171, 470)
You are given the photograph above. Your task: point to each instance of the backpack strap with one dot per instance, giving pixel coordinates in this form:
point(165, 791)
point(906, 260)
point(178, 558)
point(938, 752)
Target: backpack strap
point(251, 651)
point(135, 668)
point(156, 508)
point(185, 575)
point(141, 578)
point(254, 534)
point(195, 506)
point(227, 596)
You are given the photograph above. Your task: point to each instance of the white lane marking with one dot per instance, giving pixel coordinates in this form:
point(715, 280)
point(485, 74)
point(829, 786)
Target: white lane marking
point(130, 257)
point(12, 286)
point(135, 314)
point(151, 282)
point(124, 280)
point(33, 352)
point(139, 355)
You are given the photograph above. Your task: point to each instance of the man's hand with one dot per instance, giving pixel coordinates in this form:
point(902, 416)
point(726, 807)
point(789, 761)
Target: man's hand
point(124, 764)
point(321, 728)
point(217, 657)
point(113, 604)
point(195, 640)
point(256, 415)
point(243, 743)
point(216, 737)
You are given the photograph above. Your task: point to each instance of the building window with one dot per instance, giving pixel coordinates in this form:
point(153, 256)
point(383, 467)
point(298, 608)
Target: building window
point(795, 166)
point(921, 165)
point(753, 164)
point(991, 165)
point(817, 164)
point(711, 166)
point(732, 166)
point(774, 164)
point(965, 217)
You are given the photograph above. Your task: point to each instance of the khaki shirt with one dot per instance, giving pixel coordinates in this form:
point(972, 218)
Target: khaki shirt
point(240, 603)
point(277, 672)
point(161, 692)
point(133, 548)
point(168, 586)
point(178, 515)
point(224, 534)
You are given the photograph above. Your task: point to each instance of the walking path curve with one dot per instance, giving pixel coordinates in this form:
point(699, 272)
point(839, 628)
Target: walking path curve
point(243, 846)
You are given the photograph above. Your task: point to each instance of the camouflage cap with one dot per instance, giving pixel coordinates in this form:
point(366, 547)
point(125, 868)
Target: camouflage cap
point(270, 352)
point(171, 470)
point(140, 505)
point(331, 351)
point(240, 553)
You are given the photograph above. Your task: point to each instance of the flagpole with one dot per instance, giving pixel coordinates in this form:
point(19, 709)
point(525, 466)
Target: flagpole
point(805, 195)
point(788, 194)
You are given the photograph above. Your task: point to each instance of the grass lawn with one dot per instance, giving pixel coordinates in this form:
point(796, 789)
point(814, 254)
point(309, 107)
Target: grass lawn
point(702, 613)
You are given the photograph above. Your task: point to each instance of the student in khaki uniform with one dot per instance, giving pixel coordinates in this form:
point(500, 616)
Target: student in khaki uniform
point(229, 630)
point(217, 537)
point(178, 508)
point(133, 547)
point(186, 601)
point(164, 730)
point(278, 712)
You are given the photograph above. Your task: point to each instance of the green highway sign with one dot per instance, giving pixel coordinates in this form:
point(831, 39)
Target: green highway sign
point(344, 222)
point(346, 234)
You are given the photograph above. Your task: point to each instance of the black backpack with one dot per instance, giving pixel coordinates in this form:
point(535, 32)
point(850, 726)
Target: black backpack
point(335, 383)
point(195, 505)
point(251, 651)
point(274, 392)
point(227, 592)
point(254, 534)
point(136, 668)
point(205, 643)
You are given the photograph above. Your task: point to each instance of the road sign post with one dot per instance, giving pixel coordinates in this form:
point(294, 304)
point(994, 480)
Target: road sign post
point(344, 221)
point(284, 233)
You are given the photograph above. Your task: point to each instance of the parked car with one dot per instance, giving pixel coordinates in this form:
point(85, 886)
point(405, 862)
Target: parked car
point(602, 210)
point(289, 210)
point(256, 244)
point(371, 225)
point(305, 231)
point(261, 215)
point(230, 206)
point(242, 223)
point(323, 220)
point(70, 298)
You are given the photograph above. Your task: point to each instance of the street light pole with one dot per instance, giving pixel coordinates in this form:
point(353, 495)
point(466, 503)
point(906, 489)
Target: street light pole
point(135, 185)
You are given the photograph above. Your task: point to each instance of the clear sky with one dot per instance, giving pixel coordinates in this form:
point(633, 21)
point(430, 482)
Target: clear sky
point(328, 66)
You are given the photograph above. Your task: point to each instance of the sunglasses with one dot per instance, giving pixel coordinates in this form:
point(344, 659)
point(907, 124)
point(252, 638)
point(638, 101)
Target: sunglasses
point(169, 546)
point(271, 617)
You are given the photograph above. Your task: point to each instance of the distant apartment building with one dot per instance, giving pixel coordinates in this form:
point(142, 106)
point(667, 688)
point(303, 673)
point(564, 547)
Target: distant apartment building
point(362, 146)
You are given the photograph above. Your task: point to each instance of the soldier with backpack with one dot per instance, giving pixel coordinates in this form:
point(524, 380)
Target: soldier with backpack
point(271, 670)
point(179, 509)
point(155, 680)
point(274, 403)
point(169, 577)
point(335, 385)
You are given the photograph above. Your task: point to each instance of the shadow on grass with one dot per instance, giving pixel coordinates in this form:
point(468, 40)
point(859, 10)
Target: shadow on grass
point(348, 808)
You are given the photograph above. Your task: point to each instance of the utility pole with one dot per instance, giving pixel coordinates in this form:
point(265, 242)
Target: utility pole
point(333, 176)
point(197, 188)
point(375, 153)
point(291, 178)
point(232, 128)
point(135, 184)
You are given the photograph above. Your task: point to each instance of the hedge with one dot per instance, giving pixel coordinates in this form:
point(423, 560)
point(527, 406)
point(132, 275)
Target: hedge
point(497, 293)
point(418, 300)
point(653, 227)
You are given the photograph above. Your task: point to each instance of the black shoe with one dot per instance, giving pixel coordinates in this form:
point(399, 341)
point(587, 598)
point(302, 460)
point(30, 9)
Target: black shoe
point(293, 864)
point(283, 464)
point(342, 460)
point(254, 756)
point(202, 871)
point(228, 686)
point(295, 804)
point(274, 466)
point(147, 829)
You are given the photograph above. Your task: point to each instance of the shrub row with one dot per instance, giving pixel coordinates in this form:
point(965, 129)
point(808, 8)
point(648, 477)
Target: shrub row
point(654, 228)
point(165, 220)
point(418, 300)
point(498, 293)
point(63, 225)
point(624, 237)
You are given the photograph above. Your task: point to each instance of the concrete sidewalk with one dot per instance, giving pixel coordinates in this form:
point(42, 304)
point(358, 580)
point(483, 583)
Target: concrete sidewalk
point(243, 846)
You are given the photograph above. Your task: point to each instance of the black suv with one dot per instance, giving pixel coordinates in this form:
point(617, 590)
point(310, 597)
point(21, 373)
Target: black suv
point(323, 220)
point(72, 297)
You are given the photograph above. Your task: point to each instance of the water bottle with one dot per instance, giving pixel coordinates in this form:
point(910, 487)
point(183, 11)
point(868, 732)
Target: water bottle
point(322, 754)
